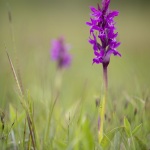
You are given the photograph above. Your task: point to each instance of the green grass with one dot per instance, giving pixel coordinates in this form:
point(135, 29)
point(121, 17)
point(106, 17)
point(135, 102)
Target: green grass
point(68, 121)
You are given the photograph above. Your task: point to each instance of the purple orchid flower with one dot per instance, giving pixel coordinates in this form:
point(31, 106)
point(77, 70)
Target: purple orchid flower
point(59, 52)
point(102, 32)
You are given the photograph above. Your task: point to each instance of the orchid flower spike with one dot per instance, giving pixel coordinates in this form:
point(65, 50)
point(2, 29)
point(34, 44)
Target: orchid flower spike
point(102, 33)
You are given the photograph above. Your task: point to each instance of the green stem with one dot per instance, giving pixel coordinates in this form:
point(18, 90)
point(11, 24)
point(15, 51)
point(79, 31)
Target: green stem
point(102, 105)
point(105, 78)
point(55, 95)
point(102, 114)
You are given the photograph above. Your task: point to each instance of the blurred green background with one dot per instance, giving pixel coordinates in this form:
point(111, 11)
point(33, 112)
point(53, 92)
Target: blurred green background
point(36, 23)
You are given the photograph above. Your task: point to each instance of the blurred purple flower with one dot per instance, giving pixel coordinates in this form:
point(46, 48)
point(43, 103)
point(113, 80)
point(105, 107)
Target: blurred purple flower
point(102, 32)
point(59, 52)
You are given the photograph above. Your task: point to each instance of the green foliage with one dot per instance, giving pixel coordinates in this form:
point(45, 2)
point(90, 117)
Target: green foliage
point(54, 127)
point(141, 144)
point(136, 129)
point(117, 141)
point(108, 137)
point(16, 117)
point(127, 127)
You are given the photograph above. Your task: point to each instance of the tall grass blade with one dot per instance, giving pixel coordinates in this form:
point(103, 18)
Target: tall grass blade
point(30, 124)
point(14, 48)
point(15, 75)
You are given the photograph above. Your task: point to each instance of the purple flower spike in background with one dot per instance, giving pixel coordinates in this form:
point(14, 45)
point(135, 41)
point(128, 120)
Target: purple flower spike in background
point(102, 32)
point(59, 52)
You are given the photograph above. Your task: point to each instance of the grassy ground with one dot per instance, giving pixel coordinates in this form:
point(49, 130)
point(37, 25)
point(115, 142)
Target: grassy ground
point(69, 121)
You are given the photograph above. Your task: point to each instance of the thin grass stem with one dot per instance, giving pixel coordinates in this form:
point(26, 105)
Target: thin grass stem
point(24, 134)
point(50, 115)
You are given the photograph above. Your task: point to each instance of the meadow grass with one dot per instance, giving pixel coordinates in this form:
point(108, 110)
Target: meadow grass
point(34, 115)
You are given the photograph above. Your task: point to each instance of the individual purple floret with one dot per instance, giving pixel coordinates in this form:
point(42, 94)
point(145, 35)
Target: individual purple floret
point(102, 32)
point(59, 52)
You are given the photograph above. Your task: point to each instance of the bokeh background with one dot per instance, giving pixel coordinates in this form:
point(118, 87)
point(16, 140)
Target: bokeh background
point(37, 22)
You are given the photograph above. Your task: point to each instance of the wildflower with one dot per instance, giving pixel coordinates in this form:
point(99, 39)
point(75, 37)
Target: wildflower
point(59, 53)
point(103, 40)
point(102, 32)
